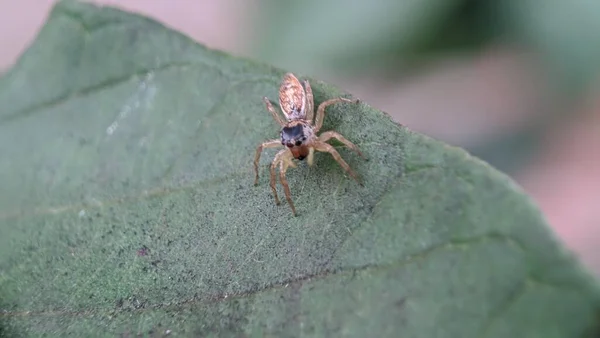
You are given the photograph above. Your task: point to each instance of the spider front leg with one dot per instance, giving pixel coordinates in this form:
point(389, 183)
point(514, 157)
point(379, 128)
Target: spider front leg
point(326, 136)
point(259, 149)
point(283, 156)
point(286, 188)
point(328, 148)
point(325, 104)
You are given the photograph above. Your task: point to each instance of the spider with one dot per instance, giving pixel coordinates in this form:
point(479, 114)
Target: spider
point(299, 135)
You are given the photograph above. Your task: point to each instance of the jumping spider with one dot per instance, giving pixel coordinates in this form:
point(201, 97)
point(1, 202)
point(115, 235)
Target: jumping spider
point(299, 135)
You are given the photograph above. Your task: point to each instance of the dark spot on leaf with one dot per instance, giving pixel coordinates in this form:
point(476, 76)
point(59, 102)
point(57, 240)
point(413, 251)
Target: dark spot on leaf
point(400, 303)
point(143, 251)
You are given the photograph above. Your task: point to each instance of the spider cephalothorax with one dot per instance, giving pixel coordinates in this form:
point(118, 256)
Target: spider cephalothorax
point(298, 134)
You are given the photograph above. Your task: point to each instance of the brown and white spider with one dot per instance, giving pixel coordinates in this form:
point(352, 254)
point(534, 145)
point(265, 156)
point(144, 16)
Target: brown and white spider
point(299, 135)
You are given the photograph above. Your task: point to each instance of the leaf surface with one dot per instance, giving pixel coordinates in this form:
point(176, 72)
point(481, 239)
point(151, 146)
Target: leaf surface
point(127, 207)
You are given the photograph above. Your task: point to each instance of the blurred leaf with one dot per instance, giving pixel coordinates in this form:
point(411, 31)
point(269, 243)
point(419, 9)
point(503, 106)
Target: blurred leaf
point(314, 35)
point(566, 34)
point(127, 207)
point(470, 26)
point(356, 35)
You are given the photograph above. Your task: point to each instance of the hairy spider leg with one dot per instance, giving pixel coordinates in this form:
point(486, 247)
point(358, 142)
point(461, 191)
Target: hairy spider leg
point(326, 136)
point(328, 148)
point(283, 156)
point(325, 104)
point(259, 149)
point(286, 188)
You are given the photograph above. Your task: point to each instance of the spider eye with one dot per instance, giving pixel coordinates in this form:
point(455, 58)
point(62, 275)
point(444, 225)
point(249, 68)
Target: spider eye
point(298, 143)
point(290, 145)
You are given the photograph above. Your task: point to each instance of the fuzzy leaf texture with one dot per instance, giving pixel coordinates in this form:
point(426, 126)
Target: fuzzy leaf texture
point(128, 208)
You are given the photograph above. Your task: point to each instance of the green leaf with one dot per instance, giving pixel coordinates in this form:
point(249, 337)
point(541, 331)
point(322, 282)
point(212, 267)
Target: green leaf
point(128, 207)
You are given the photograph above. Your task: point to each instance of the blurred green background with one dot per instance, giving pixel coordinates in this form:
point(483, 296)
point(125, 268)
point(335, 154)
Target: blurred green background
point(512, 81)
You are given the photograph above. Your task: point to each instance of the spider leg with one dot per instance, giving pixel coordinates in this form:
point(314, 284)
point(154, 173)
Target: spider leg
point(284, 155)
point(284, 164)
point(259, 149)
point(273, 180)
point(326, 136)
point(325, 104)
point(273, 112)
point(326, 147)
point(310, 112)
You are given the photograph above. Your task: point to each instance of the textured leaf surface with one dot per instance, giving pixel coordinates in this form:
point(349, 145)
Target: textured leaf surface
point(127, 207)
